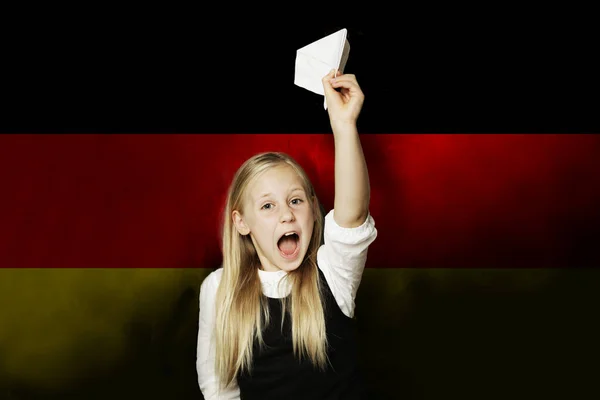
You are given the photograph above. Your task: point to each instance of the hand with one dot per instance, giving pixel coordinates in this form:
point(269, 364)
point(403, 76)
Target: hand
point(343, 106)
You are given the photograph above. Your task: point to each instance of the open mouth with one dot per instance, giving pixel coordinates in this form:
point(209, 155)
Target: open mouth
point(289, 245)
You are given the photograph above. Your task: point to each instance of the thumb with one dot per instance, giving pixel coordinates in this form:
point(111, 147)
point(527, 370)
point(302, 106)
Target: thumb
point(326, 84)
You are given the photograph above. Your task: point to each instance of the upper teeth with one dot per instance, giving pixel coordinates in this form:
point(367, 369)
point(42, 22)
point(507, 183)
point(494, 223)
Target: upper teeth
point(291, 233)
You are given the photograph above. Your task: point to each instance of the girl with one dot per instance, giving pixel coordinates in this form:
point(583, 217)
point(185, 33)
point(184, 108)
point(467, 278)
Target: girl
point(276, 319)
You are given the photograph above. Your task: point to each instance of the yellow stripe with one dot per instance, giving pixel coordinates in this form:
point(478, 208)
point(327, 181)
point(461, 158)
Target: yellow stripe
point(58, 326)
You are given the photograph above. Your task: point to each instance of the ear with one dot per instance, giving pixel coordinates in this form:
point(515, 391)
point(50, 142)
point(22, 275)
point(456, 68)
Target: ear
point(239, 223)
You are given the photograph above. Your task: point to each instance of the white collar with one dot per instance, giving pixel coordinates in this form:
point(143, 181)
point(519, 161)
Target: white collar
point(270, 283)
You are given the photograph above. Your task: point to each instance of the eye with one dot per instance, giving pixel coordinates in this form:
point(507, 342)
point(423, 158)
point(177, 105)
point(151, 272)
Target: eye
point(297, 201)
point(266, 206)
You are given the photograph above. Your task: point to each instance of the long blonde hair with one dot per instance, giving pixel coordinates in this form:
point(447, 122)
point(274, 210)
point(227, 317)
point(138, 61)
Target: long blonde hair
point(241, 308)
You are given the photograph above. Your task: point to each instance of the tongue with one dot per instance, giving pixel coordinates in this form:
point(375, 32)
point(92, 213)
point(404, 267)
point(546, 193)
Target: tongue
point(288, 244)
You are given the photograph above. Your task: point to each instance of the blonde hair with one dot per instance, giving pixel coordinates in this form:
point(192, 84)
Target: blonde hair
point(241, 308)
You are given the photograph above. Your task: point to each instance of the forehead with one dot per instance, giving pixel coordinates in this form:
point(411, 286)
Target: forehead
point(280, 179)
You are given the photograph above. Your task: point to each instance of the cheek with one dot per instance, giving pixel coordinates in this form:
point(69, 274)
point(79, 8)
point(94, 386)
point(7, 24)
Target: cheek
point(265, 228)
point(309, 224)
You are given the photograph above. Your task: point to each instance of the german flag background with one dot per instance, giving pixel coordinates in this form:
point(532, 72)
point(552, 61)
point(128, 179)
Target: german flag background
point(121, 137)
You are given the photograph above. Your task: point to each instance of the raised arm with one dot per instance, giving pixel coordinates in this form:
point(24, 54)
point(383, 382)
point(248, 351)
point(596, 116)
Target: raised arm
point(349, 229)
point(352, 191)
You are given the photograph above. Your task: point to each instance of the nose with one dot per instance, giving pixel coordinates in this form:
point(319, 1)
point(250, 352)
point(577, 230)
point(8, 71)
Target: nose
point(286, 215)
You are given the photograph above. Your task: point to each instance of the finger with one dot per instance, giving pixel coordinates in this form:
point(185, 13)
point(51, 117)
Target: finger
point(330, 75)
point(348, 84)
point(346, 94)
point(347, 77)
point(327, 84)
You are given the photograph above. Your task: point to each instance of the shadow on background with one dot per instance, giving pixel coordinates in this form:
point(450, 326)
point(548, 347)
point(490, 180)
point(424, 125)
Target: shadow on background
point(480, 334)
point(425, 334)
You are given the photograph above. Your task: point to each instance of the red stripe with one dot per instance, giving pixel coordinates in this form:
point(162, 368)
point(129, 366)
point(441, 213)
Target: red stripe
point(438, 200)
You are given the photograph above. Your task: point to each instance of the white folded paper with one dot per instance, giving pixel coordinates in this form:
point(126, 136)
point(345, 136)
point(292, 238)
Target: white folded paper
point(315, 60)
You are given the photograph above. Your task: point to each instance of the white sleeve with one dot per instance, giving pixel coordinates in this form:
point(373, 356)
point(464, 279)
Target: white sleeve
point(342, 259)
point(205, 355)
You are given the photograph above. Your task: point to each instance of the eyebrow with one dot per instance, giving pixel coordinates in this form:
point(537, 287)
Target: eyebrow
point(270, 194)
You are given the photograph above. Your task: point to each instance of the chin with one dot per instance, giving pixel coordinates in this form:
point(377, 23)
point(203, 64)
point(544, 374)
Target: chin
point(289, 267)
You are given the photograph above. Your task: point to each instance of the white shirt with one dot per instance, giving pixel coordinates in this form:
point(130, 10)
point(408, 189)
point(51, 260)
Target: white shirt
point(342, 260)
